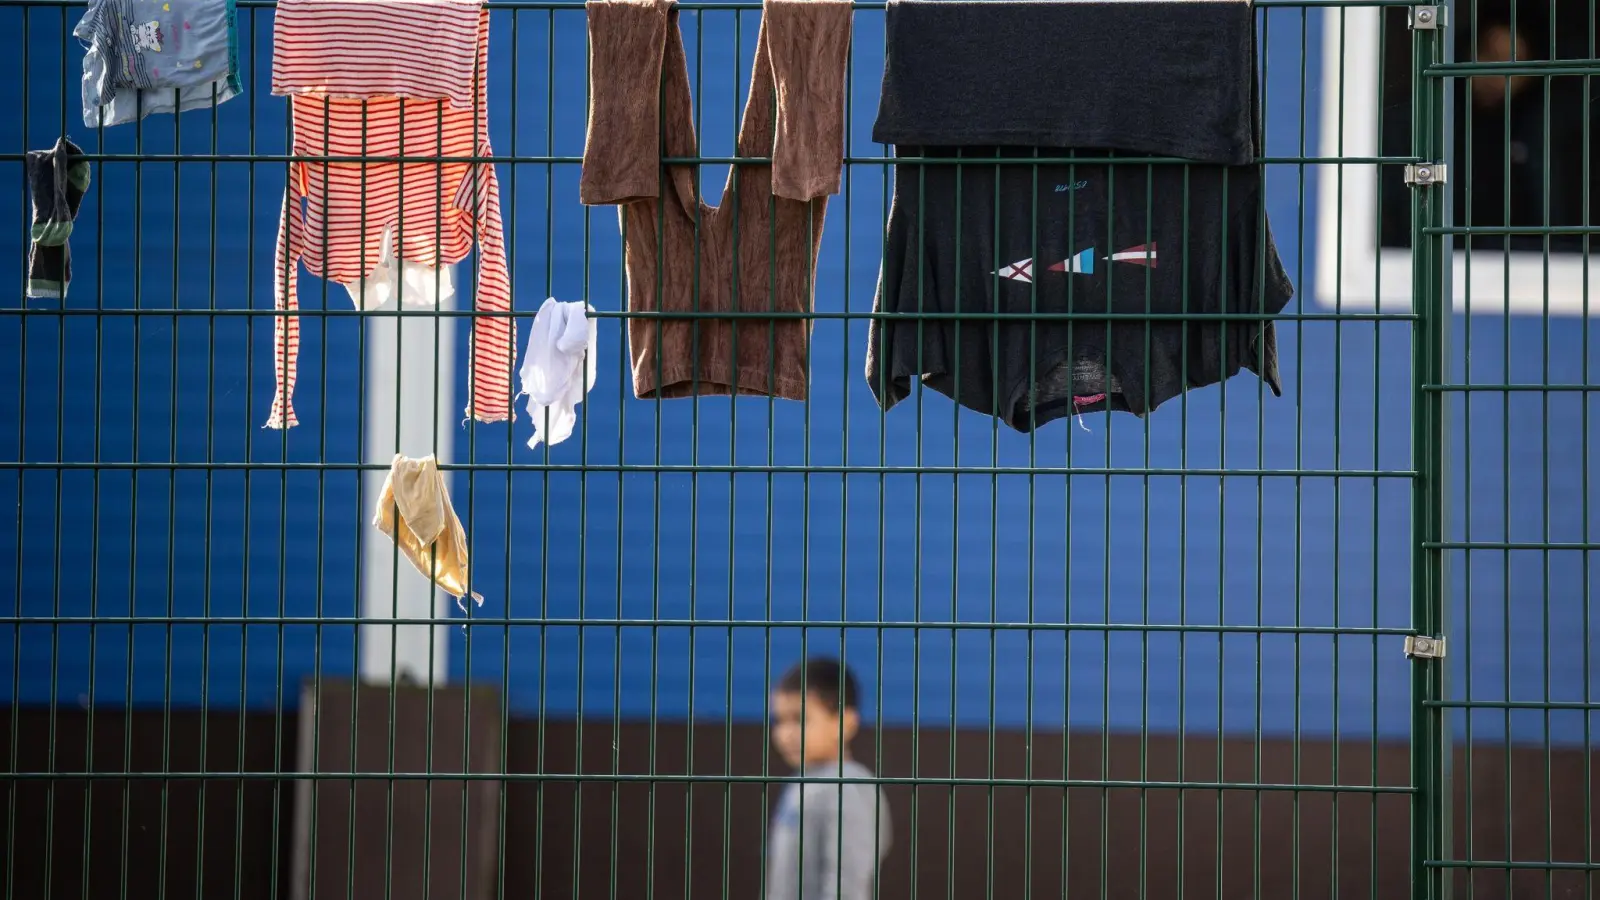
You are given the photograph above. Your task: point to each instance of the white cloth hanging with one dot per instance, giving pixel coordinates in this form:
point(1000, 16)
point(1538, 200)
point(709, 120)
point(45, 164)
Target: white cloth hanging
point(417, 286)
point(554, 374)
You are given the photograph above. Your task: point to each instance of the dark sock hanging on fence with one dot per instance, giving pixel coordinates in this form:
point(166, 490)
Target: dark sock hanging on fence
point(58, 178)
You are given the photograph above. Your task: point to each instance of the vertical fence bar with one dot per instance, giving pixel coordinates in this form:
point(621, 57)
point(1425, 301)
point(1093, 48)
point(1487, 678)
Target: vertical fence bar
point(1430, 747)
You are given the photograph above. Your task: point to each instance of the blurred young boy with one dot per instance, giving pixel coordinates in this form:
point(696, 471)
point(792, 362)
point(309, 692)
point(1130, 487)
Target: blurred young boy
point(827, 838)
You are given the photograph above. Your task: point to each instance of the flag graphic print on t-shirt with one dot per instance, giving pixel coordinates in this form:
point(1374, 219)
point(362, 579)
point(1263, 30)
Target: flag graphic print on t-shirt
point(1081, 262)
point(1021, 270)
point(1142, 255)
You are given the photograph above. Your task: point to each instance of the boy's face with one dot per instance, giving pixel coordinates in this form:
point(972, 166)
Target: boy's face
point(823, 728)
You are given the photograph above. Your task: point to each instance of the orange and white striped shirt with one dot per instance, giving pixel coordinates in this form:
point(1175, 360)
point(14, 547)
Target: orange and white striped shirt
point(375, 48)
point(335, 214)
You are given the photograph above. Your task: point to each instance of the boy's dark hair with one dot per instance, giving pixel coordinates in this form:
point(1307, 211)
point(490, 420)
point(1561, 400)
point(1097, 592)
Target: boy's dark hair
point(829, 679)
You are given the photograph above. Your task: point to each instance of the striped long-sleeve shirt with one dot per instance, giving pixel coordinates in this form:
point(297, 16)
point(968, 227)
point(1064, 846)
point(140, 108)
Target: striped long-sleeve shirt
point(335, 213)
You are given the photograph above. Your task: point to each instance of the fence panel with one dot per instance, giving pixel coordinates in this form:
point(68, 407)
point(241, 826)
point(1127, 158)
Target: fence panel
point(1108, 656)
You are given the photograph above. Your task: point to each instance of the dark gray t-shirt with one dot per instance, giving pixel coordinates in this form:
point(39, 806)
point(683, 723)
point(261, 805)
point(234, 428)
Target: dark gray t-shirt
point(964, 78)
point(1130, 240)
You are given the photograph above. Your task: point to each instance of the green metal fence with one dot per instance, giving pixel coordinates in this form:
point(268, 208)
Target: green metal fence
point(1330, 644)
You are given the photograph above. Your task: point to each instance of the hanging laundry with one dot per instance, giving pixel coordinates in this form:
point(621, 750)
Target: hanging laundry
point(1071, 73)
point(426, 51)
point(756, 251)
point(156, 56)
point(558, 368)
point(992, 78)
point(337, 217)
point(414, 509)
point(58, 178)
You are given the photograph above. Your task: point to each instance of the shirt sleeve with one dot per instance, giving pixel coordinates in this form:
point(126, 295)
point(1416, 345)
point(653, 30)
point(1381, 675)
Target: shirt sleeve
point(492, 345)
point(622, 148)
point(285, 296)
point(1259, 284)
point(809, 44)
point(99, 40)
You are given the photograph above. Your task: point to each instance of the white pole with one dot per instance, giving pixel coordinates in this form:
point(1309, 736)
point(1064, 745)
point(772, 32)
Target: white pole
point(414, 357)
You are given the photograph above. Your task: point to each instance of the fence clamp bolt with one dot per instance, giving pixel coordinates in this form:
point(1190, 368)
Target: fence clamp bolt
point(1429, 18)
point(1421, 647)
point(1424, 174)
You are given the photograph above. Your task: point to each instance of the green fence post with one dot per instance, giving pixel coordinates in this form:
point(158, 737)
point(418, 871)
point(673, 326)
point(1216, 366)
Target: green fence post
point(1432, 301)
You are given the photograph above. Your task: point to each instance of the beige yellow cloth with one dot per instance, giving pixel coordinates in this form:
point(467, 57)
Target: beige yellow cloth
point(414, 509)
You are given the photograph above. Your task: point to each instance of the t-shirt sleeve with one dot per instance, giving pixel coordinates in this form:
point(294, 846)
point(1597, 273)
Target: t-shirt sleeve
point(98, 32)
point(622, 149)
point(809, 44)
point(88, 28)
point(1260, 285)
point(892, 343)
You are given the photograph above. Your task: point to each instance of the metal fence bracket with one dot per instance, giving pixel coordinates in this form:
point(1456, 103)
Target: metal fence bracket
point(1430, 18)
point(1424, 174)
point(1423, 647)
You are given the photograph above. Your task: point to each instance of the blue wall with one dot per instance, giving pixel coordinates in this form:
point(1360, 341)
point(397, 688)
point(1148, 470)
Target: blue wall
point(1199, 551)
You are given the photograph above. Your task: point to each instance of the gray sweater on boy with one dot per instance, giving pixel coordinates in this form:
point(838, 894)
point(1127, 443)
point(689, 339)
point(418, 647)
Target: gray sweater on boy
point(827, 838)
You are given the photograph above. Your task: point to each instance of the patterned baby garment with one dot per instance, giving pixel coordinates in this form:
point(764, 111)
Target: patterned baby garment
point(147, 56)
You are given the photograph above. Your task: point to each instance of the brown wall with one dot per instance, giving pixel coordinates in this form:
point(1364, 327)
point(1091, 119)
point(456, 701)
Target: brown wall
point(235, 835)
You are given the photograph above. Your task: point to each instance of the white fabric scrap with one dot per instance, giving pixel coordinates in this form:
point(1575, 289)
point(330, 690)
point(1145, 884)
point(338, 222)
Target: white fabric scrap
point(416, 285)
point(554, 373)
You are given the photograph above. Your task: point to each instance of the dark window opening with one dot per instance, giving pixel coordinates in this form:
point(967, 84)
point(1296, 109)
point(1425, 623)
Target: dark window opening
point(1521, 158)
